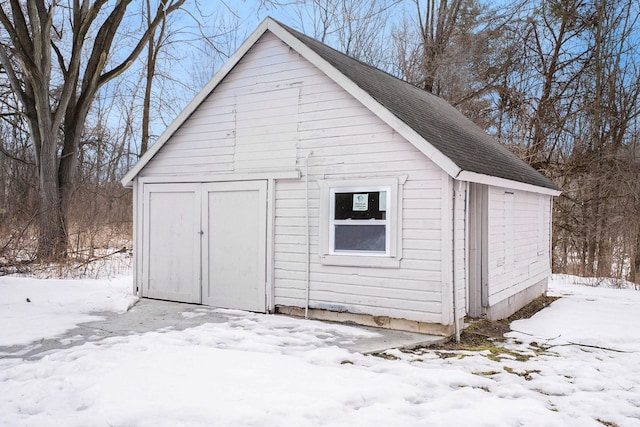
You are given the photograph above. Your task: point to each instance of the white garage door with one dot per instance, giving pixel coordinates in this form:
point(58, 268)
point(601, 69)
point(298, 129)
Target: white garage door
point(206, 243)
point(171, 247)
point(234, 245)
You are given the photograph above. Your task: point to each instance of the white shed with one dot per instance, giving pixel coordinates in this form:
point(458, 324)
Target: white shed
point(302, 181)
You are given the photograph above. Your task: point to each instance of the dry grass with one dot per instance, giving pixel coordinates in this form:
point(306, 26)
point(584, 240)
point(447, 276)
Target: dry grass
point(483, 334)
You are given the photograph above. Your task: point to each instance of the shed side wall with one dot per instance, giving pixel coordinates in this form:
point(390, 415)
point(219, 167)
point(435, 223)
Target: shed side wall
point(518, 242)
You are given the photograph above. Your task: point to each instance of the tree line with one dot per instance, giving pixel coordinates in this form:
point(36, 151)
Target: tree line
point(87, 84)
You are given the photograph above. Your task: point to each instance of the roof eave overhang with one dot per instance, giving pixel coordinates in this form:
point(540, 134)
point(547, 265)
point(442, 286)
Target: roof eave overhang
point(444, 162)
point(505, 183)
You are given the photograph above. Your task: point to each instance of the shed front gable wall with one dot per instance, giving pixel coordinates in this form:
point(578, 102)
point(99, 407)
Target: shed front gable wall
point(274, 112)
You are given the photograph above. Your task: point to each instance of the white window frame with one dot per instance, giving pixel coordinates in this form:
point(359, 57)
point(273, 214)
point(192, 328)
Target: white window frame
point(392, 255)
point(333, 222)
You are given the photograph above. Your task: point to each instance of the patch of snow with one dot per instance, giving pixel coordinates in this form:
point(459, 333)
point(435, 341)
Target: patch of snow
point(599, 282)
point(33, 309)
point(192, 314)
point(585, 315)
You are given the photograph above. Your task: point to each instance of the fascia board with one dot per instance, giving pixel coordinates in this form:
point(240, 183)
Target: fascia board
point(505, 183)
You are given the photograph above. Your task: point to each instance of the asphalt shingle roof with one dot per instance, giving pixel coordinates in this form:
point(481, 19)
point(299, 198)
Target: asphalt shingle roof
point(434, 119)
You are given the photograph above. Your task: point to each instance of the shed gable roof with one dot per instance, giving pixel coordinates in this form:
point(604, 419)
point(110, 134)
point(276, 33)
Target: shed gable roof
point(437, 129)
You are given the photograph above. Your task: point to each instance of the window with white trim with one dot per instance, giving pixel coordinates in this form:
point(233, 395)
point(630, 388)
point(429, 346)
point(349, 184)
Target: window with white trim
point(360, 222)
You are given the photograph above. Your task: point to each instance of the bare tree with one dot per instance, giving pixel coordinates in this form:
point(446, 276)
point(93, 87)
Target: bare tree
point(456, 50)
point(612, 105)
point(580, 127)
point(437, 23)
point(56, 84)
point(153, 50)
point(357, 28)
point(551, 37)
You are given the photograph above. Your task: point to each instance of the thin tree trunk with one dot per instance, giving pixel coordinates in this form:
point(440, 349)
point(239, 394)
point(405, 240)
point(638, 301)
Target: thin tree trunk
point(634, 273)
point(153, 48)
point(146, 107)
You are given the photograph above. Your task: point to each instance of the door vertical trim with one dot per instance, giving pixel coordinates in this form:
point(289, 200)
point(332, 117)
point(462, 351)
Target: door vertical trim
point(137, 241)
point(270, 250)
point(478, 249)
point(484, 276)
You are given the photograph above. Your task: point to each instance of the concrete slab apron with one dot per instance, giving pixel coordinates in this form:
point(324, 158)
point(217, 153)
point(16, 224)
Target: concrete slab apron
point(155, 315)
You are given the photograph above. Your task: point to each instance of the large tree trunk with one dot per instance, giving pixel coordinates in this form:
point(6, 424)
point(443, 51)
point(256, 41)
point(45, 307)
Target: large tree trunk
point(52, 237)
point(68, 170)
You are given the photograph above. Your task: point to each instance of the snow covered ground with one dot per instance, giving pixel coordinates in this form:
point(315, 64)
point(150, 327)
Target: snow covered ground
point(32, 309)
point(576, 363)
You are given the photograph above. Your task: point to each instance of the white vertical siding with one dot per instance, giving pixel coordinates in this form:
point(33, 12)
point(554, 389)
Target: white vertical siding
point(518, 241)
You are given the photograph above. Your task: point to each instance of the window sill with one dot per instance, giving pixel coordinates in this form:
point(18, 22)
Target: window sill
point(360, 261)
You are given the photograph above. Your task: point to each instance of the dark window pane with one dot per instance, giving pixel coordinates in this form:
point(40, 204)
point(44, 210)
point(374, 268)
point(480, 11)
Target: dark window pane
point(369, 209)
point(360, 238)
